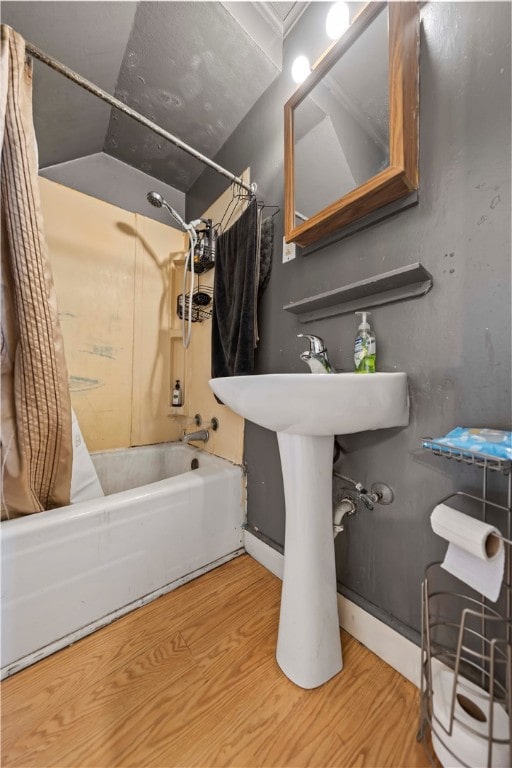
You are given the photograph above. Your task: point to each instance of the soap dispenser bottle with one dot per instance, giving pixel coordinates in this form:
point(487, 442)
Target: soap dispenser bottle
point(177, 397)
point(364, 347)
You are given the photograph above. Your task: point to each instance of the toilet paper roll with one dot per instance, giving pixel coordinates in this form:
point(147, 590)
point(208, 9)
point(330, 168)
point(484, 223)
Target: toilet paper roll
point(468, 742)
point(475, 552)
point(473, 536)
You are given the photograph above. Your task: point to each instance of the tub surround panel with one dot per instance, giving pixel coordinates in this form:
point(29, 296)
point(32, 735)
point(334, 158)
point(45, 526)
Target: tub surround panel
point(159, 253)
point(118, 276)
point(112, 271)
point(93, 265)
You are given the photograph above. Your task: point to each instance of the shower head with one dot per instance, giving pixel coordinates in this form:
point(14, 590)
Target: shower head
point(158, 201)
point(155, 199)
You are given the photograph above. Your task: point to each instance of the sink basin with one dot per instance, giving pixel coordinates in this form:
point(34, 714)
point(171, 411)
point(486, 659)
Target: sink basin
point(316, 403)
point(306, 410)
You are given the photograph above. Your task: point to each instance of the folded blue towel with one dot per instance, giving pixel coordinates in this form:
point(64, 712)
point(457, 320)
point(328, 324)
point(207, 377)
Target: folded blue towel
point(488, 442)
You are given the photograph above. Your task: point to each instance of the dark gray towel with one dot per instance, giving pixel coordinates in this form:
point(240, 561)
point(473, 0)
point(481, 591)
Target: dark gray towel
point(235, 297)
point(266, 251)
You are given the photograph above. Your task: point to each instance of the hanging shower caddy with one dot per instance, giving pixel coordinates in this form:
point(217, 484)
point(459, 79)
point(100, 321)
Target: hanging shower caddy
point(202, 304)
point(205, 250)
point(466, 652)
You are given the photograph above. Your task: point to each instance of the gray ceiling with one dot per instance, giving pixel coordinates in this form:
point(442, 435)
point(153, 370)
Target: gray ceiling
point(189, 66)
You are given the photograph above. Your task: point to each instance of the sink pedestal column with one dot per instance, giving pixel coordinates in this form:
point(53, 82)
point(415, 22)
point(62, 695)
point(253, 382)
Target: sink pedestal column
point(308, 645)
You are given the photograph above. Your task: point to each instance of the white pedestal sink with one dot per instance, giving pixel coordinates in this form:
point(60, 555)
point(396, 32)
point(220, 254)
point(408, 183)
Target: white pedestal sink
point(307, 410)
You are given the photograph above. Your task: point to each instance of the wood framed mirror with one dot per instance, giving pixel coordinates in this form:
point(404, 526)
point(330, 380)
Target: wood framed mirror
point(351, 128)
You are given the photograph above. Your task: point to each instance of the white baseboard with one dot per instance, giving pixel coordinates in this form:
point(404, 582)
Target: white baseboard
point(265, 555)
point(385, 642)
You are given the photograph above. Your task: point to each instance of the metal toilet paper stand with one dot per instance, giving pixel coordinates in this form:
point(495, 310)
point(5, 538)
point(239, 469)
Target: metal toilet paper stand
point(466, 651)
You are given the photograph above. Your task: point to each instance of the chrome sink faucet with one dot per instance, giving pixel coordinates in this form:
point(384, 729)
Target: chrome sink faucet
point(316, 355)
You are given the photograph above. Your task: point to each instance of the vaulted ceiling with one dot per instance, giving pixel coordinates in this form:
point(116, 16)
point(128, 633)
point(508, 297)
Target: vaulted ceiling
point(194, 68)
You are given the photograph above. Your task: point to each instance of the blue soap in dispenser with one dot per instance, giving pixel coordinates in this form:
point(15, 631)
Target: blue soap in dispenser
point(364, 347)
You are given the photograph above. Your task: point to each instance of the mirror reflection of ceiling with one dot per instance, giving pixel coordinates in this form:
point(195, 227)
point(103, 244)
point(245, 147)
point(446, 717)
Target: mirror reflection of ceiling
point(194, 68)
point(347, 116)
point(360, 79)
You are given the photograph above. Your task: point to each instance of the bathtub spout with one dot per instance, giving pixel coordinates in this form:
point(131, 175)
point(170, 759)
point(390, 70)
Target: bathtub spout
point(201, 434)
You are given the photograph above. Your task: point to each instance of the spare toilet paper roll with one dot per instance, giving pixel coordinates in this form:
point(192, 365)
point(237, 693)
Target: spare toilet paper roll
point(466, 742)
point(475, 552)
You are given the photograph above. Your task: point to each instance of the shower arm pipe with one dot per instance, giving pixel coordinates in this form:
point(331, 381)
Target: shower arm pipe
point(104, 96)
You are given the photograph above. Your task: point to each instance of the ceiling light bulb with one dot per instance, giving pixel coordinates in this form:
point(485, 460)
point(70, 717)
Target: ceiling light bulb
point(300, 69)
point(338, 20)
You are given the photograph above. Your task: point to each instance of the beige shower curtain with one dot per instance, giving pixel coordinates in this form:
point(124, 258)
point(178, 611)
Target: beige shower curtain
point(36, 448)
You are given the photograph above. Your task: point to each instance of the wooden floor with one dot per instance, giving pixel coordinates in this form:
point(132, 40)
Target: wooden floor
point(191, 680)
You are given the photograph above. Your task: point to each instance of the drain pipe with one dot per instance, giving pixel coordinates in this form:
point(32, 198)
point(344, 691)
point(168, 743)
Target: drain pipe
point(344, 506)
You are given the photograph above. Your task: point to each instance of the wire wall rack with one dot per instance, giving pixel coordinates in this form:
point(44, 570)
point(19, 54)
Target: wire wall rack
point(466, 650)
point(204, 253)
point(482, 460)
point(202, 304)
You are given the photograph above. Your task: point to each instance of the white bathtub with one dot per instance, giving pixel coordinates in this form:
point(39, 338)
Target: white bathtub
point(69, 571)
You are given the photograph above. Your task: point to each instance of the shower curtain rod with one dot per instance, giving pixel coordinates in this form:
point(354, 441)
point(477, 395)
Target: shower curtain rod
point(104, 96)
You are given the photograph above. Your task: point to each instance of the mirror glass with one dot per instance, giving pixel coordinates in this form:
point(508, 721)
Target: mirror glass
point(341, 129)
point(351, 128)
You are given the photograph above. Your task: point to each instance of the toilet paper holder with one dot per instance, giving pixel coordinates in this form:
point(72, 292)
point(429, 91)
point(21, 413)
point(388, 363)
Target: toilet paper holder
point(466, 653)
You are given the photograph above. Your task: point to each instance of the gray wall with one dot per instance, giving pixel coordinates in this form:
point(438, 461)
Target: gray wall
point(454, 343)
point(109, 179)
point(90, 38)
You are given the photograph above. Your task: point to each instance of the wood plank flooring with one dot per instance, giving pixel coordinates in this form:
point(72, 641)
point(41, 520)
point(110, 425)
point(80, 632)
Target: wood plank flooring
point(191, 680)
